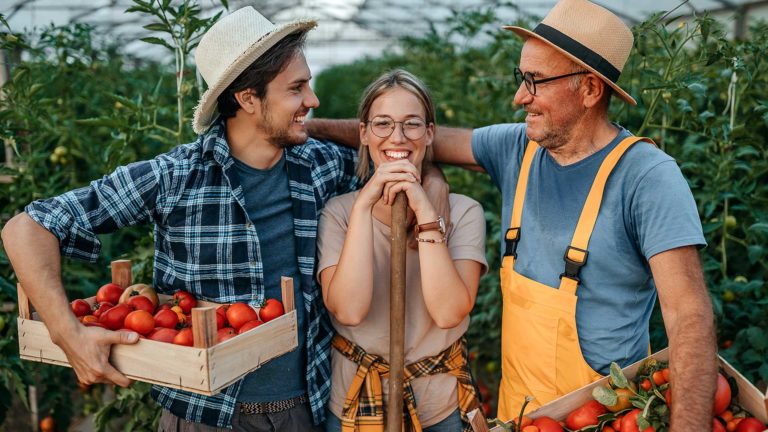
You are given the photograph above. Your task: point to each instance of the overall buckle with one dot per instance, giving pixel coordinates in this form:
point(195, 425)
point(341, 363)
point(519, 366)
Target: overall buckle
point(572, 266)
point(511, 238)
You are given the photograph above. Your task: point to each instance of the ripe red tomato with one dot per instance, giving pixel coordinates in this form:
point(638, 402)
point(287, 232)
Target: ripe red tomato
point(100, 308)
point(88, 318)
point(221, 321)
point(658, 378)
point(140, 321)
point(585, 415)
point(722, 395)
point(221, 316)
point(141, 302)
point(665, 373)
point(270, 310)
point(167, 318)
point(239, 314)
point(184, 337)
point(165, 306)
point(114, 317)
point(629, 421)
point(185, 301)
point(80, 307)
point(547, 424)
point(225, 333)
point(668, 397)
point(717, 426)
point(163, 334)
point(248, 326)
point(750, 424)
point(646, 384)
point(109, 293)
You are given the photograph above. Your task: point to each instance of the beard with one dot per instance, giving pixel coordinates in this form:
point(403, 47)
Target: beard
point(279, 135)
point(553, 136)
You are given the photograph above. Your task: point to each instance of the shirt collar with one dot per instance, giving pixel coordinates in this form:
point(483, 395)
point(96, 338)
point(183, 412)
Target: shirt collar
point(214, 141)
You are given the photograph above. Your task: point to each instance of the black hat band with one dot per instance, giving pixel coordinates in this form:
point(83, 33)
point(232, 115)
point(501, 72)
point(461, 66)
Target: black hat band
point(576, 49)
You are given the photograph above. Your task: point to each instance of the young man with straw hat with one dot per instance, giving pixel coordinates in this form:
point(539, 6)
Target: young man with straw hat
point(596, 223)
point(232, 211)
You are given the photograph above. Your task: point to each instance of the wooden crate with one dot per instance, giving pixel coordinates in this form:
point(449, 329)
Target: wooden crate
point(206, 368)
point(749, 397)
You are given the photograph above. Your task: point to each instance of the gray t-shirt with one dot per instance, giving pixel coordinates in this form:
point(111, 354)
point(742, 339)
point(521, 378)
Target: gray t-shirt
point(647, 208)
point(270, 209)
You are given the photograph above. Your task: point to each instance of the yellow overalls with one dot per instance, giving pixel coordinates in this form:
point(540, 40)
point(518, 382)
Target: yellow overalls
point(540, 351)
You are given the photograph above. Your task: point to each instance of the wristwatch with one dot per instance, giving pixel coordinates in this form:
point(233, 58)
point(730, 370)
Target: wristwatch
point(438, 225)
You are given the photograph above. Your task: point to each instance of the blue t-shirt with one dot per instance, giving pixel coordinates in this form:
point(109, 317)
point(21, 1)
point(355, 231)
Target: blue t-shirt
point(270, 209)
point(647, 208)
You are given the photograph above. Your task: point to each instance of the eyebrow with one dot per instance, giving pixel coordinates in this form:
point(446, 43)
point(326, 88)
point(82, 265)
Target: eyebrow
point(300, 81)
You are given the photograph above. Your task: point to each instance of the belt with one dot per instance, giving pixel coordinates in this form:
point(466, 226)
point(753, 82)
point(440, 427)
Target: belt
point(270, 407)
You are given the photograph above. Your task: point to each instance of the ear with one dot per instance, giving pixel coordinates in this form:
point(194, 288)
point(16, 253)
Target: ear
point(592, 90)
point(430, 135)
point(363, 135)
point(248, 100)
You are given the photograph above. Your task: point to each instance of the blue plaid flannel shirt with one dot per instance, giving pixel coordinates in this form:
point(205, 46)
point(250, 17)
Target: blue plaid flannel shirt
point(204, 242)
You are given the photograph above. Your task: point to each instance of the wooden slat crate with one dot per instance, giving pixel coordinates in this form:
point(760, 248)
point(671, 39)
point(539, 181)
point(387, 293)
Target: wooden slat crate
point(205, 368)
point(749, 397)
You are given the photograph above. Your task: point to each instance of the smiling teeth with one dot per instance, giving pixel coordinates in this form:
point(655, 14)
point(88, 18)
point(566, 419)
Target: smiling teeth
point(299, 119)
point(397, 154)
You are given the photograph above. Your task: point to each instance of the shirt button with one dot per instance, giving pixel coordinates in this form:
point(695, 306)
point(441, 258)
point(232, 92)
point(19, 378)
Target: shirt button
point(249, 225)
point(253, 263)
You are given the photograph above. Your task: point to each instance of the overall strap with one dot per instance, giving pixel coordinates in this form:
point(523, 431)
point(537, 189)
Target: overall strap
point(512, 236)
point(576, 254)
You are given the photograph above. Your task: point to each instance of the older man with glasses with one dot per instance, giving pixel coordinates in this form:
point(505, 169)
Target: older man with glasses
point(597, 222)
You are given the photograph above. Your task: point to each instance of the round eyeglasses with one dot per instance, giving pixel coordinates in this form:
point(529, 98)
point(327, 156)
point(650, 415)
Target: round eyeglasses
point(383, 126)
point(530, 81)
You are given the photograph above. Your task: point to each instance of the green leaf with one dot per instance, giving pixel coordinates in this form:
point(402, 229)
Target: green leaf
point(759, 227)
point(157, 41)
point(757, 338)
point(617, 376)
point(763, 371)
point(225, 3)
point(605, 395)
point(755, 253)
point(157, 27)
point(98, 121)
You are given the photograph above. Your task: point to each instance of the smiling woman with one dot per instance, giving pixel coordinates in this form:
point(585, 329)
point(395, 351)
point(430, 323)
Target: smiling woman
point(397, 124)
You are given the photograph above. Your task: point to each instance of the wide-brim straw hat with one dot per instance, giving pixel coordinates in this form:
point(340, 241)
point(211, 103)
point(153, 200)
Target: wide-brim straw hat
point(588, 34)
point(228, 48)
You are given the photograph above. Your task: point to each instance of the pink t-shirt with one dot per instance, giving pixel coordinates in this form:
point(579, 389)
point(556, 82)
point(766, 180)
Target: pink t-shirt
point(436, 396)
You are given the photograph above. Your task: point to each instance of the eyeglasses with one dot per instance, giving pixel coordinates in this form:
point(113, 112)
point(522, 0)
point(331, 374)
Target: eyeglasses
point(530, 81)
point(383, 126)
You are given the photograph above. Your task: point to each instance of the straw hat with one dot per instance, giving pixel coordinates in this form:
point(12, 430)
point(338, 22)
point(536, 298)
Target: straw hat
point(588, 34)
point(228, 48)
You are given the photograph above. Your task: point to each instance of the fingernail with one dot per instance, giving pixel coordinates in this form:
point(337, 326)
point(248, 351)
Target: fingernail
point(133, 337)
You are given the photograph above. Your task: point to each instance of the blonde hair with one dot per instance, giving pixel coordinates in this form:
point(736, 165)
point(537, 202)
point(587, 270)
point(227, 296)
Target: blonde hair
point(396, 78)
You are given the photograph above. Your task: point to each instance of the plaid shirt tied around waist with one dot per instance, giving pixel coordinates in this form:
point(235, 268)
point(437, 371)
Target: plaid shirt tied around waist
point(363, 409)
point(205, 243)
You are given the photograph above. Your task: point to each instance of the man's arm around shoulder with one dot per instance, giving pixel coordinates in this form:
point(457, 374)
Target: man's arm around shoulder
point(689, 322)
point(36, 259)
